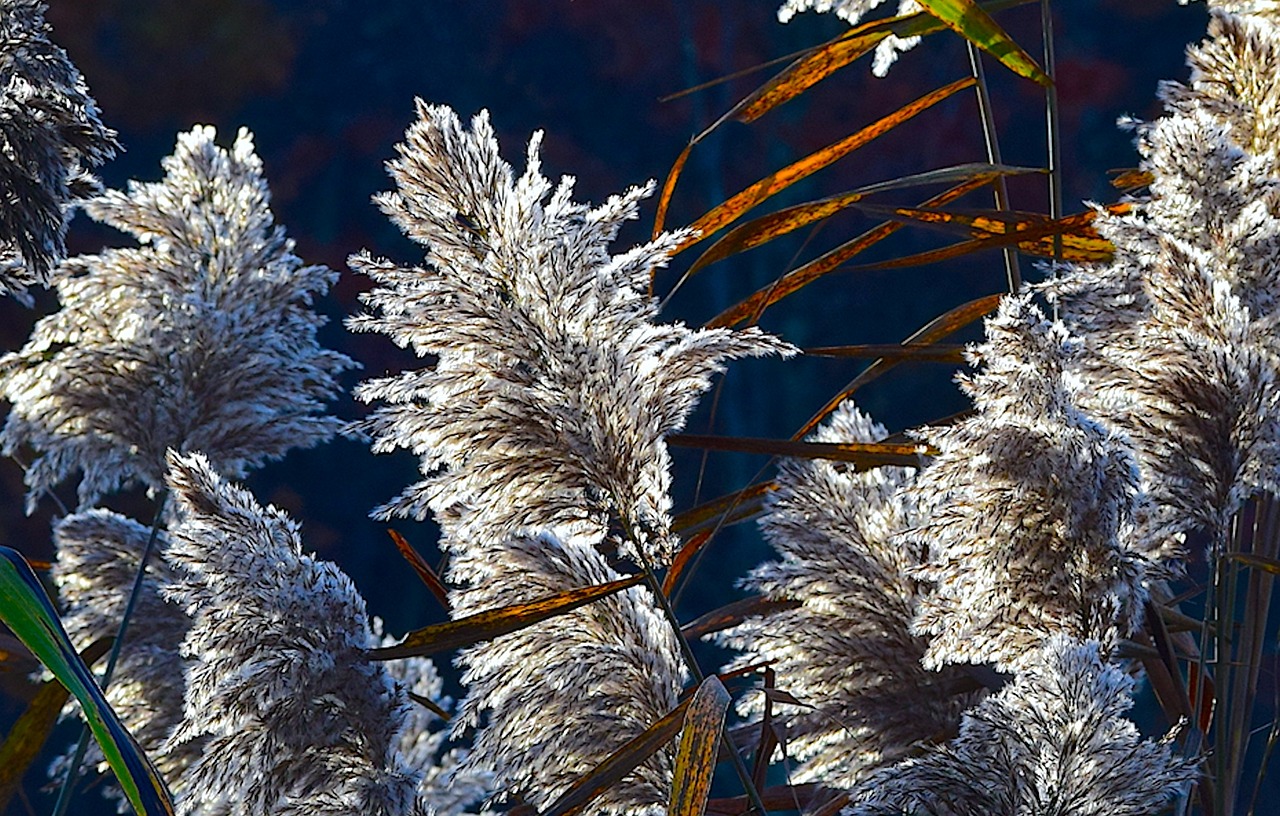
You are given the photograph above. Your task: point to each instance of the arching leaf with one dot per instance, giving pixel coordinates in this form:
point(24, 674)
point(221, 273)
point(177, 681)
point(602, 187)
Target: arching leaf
point(28, 735)
point(762, 230)
point(618, 764)
point(968, 19)
point(802, 276)
point(699, 746)
point(27, 610)
point(770, 185)
point(863, 455)
point(483, 626)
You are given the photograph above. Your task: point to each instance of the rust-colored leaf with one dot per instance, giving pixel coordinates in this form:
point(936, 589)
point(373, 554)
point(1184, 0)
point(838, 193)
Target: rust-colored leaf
point(934, 353)
point(1131, 178)
point(826, 59)
point(797, 279)
point(741, 202)
point(668, 188)
point(484, 626)
point(1072, 238)
point(733, 614)
point(973, 23)
point(28, 735)
point(863, 455)
point(737, 506)
point(699, 745)
point(1261, 562)
point(769, 227)
point(618, 764)
point(988, 223)
point(431, 705)
point(940, 327)
point(691, 548)
point(421, 567)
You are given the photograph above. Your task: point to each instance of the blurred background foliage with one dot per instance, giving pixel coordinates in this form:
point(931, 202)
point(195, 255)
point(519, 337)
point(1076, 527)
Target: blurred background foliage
point(327, 87)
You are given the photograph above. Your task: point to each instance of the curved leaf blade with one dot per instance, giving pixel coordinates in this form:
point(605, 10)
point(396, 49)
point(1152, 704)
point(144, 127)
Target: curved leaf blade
point(699, 745)
point(802, 276)
point(28, 735)
point(969, 20)
point(740, 505)
point(739, 203)
point(863, 455)
point(482, 626)
point(732, 614)
point(618, 764)
point(923, 352)
point(27, 610)
point(422, 568)
point(760, 231)
point(935, 330)
point(826, 59)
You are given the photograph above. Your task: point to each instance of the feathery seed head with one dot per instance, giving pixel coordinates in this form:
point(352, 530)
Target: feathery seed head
point(1023, 511)
point(553, 386)
point(1054, 742)
point(847, 650)
point(295, 718)
point(1180, 326)
point(49, 131)
point(201, 338)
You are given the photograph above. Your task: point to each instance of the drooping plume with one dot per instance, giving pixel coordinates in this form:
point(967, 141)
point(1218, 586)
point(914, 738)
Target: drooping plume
point(294, 717)
point(1054, 742)
point(1180, 326)
point(846, 651)
point(49, 133)
point(201, 338)
point(553, 385)
point(1023, 511)
point(540, 430)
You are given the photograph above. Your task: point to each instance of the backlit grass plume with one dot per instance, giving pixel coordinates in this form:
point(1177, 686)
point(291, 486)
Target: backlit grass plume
point(294, 718)
point(540, 432)
point(553, 385)
point(1054, 742)
point(1180, 327)
point(846, 652)
point(49, 134)
point(1023, 511)
point(201, 338)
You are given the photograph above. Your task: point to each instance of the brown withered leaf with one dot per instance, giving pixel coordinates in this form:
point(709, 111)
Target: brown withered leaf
point(699, 746)
point(488, 625)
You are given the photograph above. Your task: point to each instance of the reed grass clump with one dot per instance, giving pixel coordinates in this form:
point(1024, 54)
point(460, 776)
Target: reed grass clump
point(956, 618)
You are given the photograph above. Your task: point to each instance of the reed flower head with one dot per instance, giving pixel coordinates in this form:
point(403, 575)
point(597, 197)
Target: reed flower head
point(846, 649)
point(296, 719)
point(202, 338)
point(49, 132)
point(1180, 326)
point(550, 702)
point(553, 387)
point(1054, 742)
point(1023, 511)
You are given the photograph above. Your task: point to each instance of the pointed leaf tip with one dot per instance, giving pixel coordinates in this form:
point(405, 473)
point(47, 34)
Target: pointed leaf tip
point(699, 746)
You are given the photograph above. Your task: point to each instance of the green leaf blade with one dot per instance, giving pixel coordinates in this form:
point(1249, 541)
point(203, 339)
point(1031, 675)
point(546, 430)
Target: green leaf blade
point(27, 610)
